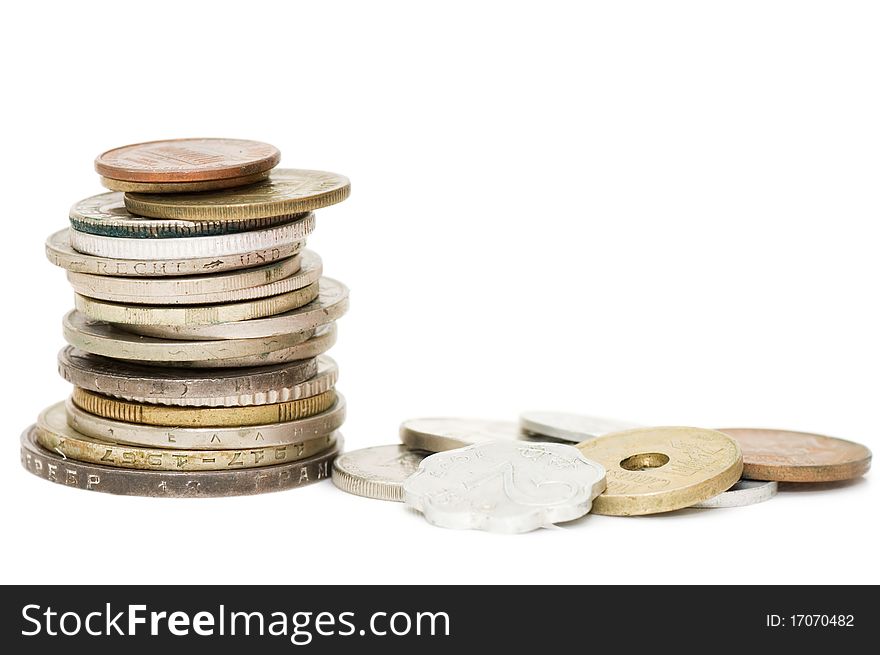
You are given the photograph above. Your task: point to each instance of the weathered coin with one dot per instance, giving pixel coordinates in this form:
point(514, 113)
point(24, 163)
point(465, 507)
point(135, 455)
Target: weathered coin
point(100, 338)
point(200, 417)
point(744, 492)
point(173, 484)
point(272, 279)
point(438, 434)
point(653, 470)
point(788, 456)
point(228, 438)
point(287, 191)
point(376, 472)
point(216, 245)
point(187, 160)
point(61, 253)
point(54, 434)
point(237, 387)
point(504, 486)
point(331, 304)
point(102, 310)
point(572, 428)
point(183, 187)
point(105, 214)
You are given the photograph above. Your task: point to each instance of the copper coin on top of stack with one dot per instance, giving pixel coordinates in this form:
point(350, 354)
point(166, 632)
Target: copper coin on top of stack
point(206, 409)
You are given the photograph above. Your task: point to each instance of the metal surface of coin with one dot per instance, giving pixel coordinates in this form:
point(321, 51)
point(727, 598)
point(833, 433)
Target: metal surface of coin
point(572, 428)
point(187, 160)
point(653, 470)
point(217, 245)
point(105, 214)
point(182, 187)
point(173, 484)
point(504, 486)
point(100, 338)
point(238, 387)
point(61, 253)
point(744, 492)
point(330, 305)
point(788, 456)
point(274, 279)
point(200, 417)
point(229, 438)
point(102, 310)
point(287, 191)
point(438, 434)
point(54, 434)
point(376, 472)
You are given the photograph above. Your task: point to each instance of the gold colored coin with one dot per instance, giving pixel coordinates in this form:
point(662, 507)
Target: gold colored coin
point(110, 312)
point(286, 191)
point(182, 187)
point(54, 434)
point(653, 470)
point(199, 417)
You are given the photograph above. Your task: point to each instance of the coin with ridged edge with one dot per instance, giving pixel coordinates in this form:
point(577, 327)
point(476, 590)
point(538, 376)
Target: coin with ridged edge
point(54, 468)
point(377, 472)
point(105, 214)
point(183, 187)
point(287, 191)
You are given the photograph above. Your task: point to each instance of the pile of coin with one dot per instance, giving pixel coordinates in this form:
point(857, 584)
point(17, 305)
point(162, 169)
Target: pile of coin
point(201, 322)
point(552, 467)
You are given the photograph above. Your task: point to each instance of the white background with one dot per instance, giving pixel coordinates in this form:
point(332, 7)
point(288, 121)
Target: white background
point(661, 212)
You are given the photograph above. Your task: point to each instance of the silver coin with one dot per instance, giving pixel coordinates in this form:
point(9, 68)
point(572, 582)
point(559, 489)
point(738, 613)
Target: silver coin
point(330, 305)
point(744, 492)
point(219, 438)
point(572, 428)
point(376, 472)
point(505, 486)
point(438, 434)
point(61, 253)
point(272, 279)
point(219, 245)
point(105, 214)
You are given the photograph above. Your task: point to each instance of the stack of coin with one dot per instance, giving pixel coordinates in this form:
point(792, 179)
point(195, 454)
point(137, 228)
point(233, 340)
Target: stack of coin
point(201, 322)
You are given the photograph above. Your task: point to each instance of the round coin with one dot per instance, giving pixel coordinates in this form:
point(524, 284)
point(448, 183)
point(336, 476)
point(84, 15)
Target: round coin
point(272, 279)
point(438, 434)
point(173, 484)
point(237, 387)
point(788, 456)
point(376, 472)
point(572, 428)
point(182, 187)
point(105, 214)
point(504, 486)
point(287, 191)
point(217, 245)
point(330, 305)
point(187, 160)
point(744, 492)
point(653, 470)
point(219, 438)
point(61, 253)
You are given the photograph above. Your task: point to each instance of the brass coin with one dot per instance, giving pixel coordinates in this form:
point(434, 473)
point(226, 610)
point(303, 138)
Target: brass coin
point(187, 160)
point(201, 417)
point(786, 456)
point(653, 470)
point(183, 187)
point(287, 191)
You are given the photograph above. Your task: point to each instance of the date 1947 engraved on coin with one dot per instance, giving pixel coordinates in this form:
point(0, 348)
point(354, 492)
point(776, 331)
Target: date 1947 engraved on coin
point(504, 486)
point(376, 472)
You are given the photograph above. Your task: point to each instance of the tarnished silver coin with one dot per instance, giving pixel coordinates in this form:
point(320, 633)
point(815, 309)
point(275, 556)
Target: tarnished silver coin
point(744, 492)
point(376, 472)
point(438, 434)
point(505, 486)
point(572, 428)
